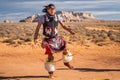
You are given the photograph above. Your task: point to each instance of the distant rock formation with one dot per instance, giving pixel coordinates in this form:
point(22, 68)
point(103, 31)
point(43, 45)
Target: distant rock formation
point(7, 21)
point(33, 18)
point(68, 16)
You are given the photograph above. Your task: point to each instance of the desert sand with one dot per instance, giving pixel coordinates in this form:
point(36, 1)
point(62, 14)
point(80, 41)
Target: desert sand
point(90, 61)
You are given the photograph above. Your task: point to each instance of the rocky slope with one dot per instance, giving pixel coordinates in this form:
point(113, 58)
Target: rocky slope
point(68, 16)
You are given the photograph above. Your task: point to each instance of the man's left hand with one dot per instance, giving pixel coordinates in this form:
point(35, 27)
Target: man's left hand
point(72, 33)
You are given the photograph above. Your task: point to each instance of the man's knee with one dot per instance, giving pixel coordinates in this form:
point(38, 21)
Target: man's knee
point(50, 57)
point(65, 51)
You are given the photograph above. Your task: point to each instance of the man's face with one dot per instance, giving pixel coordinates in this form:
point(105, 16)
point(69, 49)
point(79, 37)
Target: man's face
point(51, 11)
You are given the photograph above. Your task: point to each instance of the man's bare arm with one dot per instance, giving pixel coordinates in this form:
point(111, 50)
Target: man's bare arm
point(66, 28)
point(37, 31)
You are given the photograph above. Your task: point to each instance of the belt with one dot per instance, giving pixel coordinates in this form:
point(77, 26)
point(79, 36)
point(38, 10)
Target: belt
point(46, 37)
point(49, 37)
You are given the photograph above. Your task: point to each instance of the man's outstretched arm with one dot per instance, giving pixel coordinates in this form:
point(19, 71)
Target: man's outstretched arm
point(66, 28)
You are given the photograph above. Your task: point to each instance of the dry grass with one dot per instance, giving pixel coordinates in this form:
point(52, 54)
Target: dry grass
point(22, 33)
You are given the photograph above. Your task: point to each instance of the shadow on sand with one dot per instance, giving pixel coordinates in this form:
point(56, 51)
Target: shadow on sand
point(91, 69)
point(19, 77)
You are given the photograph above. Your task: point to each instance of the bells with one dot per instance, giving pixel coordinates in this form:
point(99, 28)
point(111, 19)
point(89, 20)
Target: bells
point(67, 57)
point(50, 66)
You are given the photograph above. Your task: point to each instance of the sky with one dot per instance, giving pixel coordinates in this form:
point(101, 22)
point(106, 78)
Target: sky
point(16, 10)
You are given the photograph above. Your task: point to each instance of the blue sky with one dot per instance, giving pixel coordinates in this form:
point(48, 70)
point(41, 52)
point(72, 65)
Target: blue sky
point(19, 9)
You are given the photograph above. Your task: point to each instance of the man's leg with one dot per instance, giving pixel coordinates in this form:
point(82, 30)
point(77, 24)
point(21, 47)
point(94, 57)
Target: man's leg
point(65, 56)
point(50, 61)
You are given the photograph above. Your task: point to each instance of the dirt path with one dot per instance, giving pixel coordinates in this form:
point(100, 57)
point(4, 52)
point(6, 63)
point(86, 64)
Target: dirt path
point(91, 63)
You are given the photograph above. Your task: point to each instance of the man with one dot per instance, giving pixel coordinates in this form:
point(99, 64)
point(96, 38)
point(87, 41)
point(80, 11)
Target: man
point(52, 42)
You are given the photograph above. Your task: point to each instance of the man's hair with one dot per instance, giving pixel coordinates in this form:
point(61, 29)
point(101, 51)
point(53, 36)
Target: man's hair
point(48, 7)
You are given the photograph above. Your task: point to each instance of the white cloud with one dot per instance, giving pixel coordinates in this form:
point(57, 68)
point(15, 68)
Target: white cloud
point(63, 5)
point(14, 16)
point(97, 7)
point(105, 12)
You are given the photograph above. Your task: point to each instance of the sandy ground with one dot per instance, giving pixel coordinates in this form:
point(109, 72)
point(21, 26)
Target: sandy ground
point(90, 62)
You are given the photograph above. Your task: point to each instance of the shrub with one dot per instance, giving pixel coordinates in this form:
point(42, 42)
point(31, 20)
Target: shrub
point(98, 39)
point(10, 41)
point(115, 38)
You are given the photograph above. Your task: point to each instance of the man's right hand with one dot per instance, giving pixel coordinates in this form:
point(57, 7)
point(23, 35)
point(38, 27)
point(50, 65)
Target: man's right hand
point(35, 41)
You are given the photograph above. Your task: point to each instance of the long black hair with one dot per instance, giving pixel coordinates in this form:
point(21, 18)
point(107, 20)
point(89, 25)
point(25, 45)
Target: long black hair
point(48, 7)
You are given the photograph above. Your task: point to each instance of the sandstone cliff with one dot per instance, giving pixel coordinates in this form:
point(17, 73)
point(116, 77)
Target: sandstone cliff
point(74, 16)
